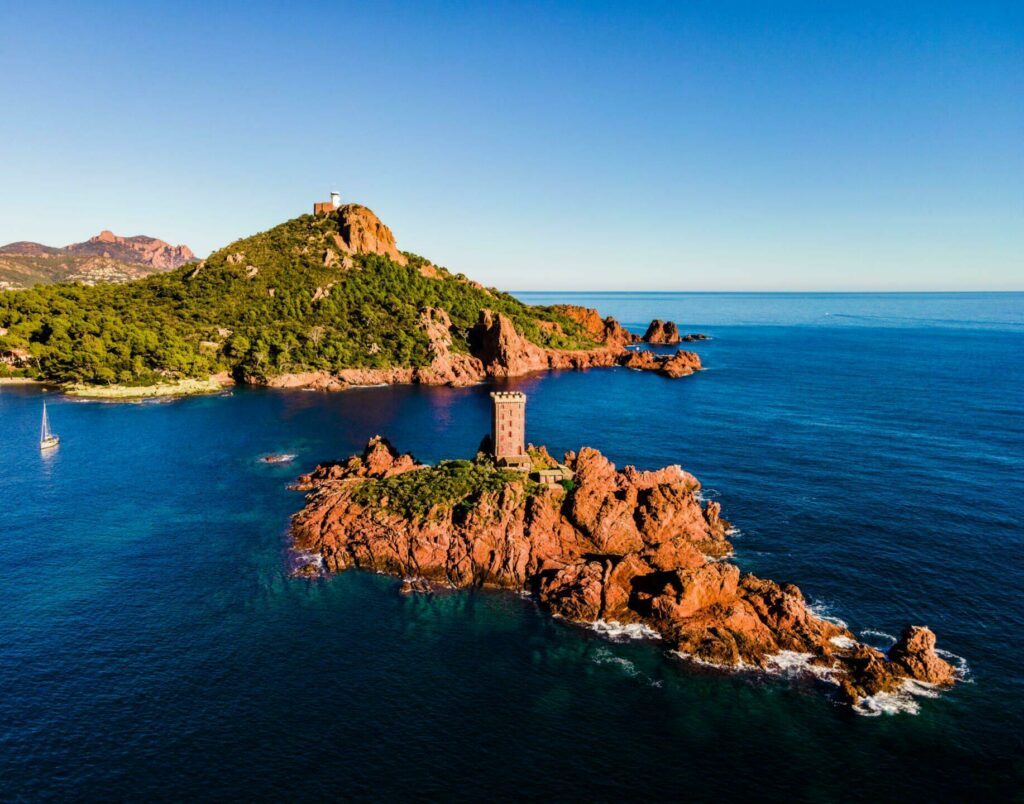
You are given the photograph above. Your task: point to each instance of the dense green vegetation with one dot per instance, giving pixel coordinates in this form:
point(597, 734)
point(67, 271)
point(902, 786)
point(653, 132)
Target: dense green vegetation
point(249, 308)
point(448, 485)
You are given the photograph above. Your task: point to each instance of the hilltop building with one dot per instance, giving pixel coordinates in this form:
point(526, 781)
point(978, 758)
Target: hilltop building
point(508, 430)
point(323, 207)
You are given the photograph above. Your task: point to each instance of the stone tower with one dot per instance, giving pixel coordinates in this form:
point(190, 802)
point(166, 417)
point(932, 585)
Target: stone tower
point(508, 429)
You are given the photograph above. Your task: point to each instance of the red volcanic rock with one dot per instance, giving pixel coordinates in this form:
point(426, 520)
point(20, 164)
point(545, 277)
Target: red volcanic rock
point(378, 460)
point(362, 232)
point(628, 546)
point(575, 591)
point(497, 349)
point(446, 367)
point(603, 330)
point(915, 654)
point(688, 592)
point(502, 350)
point(138, 250)
point(680, 364)
point(662, 332)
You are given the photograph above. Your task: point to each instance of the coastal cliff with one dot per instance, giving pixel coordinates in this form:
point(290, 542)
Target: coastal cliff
point(495, 349)
point(626, 547)
point(321, 301)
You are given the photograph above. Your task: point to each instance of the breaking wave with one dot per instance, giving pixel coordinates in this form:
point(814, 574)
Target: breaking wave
point(823, 611)
point(961, 669)
point(305, 562)
point(869, 633)
point(606, 657)
point(732, 668)
point(618, 632)
point(901, 702)
point(793, 663)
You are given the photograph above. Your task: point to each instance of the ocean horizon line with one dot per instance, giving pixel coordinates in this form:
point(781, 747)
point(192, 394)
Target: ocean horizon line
point(777, 292)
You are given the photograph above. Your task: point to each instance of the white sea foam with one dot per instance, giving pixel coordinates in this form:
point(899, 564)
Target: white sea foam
point(614, 630)
point(794, 663)
point(286, 457)
point(887, 703)
point(605, 656)
point(790, 661)
point(689, 657)
point(902, 701)
point(882, 635)
point(843, 642)
point(961, 669)
point(823, 611)
point(300, 559)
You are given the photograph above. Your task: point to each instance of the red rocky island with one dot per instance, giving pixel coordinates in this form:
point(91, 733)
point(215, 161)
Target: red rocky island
point(592, 544)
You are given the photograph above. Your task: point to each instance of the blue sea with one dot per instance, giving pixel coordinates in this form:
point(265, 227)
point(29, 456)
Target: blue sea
point(869, 448)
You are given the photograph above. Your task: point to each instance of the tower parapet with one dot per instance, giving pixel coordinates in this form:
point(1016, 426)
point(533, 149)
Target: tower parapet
point(508, 429)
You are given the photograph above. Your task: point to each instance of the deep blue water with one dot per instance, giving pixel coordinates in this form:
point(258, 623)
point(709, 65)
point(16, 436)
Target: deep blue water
point(869, 448)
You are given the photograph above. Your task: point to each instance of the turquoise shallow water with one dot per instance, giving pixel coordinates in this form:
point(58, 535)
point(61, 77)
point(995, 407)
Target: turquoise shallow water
point(869, 448)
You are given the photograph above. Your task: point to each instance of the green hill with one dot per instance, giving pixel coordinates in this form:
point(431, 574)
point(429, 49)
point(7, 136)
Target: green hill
point(307, 295)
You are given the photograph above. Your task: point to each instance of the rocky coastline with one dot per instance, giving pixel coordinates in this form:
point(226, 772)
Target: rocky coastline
point(629, 547)
point(498, 350)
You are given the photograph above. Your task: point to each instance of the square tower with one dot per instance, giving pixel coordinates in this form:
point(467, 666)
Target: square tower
point(508, 429)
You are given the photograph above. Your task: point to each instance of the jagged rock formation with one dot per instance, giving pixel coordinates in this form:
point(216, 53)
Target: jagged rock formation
point(625, 546)
point(603, 330)
point(105, 258)
point(320, 301)
point(496, 349)
point(138, 250)
point(662, 332)
point(360, 231)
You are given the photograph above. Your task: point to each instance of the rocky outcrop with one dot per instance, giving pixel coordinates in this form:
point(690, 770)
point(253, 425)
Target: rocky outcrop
point(627, 546)
point(496, 350)
point(603, 330)
point(360, 231)
point(914, 653)
point(680, 364)
point(104, 259)
point(662, 332)
point(138, 250)
point(506, 353)
point(447, 367)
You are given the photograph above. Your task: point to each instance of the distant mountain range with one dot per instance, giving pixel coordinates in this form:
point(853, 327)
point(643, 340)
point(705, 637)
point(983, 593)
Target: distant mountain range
point(106, 257)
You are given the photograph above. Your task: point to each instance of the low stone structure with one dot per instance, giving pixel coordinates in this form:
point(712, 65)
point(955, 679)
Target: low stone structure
point(554, 475)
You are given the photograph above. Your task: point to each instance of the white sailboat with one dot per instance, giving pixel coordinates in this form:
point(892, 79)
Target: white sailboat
point(47, 439)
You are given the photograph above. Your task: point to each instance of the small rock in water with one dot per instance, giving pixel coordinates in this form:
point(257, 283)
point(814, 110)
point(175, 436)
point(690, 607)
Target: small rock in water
point(284, 458)
point(415, 586)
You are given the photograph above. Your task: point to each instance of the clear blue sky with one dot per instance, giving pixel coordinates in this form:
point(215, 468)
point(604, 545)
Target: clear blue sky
point(704, 146)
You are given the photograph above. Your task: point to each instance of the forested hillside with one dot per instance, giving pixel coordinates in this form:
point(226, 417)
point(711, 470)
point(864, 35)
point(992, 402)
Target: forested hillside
point(298, 297)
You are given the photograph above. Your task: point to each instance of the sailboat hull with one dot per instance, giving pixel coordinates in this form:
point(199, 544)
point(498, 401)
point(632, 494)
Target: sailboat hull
point(49, 443)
